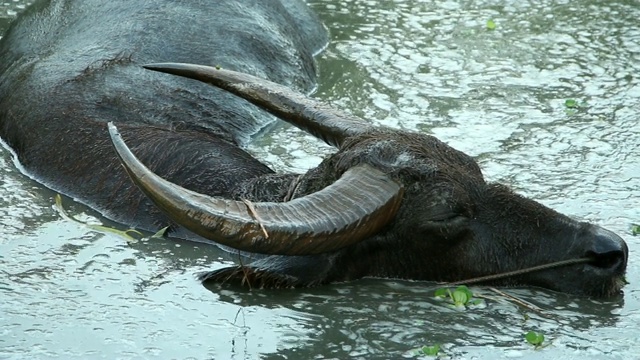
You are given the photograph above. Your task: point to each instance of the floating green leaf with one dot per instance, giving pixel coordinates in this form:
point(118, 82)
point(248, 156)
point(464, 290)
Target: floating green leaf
point(465, 290)
point(160, 233)
point(635, 229)
point(442, 292)
point(460, 297)
point(491, 25)
point(571, 103)
point(130, 235)
point(534, 338)
point(475, 302)
point(430, 350)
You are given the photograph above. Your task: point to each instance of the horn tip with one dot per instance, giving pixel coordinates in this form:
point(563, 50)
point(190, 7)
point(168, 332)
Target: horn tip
point(113, 130)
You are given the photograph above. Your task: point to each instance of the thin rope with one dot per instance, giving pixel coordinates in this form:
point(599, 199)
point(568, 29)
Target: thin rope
point(522, 271)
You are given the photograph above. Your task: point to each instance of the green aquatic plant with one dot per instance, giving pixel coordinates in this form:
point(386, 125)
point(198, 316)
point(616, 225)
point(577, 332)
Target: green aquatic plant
point(571, 103)
point(535, 338)
point(431, 350)
point(635, 229)
point(427, 350)
point(491, 25)
point(130, 235)
point(460, 297)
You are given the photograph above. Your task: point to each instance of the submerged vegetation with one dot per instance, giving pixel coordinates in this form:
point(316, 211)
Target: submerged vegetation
point(131, 235)
point(463, 298)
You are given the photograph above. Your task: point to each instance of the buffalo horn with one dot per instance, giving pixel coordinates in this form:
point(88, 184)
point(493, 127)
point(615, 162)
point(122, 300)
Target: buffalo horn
point(312, 116)
point(353, 208)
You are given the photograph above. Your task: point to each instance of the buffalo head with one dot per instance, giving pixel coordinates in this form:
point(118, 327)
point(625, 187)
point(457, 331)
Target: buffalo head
point(388, 203)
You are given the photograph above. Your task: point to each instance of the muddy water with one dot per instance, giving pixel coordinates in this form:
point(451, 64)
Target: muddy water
point(70, 292)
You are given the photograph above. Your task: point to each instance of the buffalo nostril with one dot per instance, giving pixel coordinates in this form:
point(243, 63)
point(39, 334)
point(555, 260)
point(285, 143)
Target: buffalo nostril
point(608, 250)
point(610, 260)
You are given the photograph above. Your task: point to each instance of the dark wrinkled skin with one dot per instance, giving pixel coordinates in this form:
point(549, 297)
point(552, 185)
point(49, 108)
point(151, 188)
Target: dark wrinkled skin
point(452, 226)
point(67, 68)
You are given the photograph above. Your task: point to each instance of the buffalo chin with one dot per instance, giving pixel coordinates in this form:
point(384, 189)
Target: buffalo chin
point(592, 281)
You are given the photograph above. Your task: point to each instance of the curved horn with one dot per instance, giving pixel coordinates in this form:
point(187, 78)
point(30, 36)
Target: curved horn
point(353, 208)
point(315, 117)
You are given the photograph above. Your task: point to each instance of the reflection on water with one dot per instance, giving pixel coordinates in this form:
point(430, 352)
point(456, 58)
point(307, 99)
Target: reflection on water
point(376, 318)
point(430, 66)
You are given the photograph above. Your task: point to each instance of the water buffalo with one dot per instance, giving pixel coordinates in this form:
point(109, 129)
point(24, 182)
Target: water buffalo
point(388, 203)
point(69, 67)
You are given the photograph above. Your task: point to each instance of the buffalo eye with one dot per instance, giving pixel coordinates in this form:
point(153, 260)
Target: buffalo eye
point(444, 222)
point(443, 211)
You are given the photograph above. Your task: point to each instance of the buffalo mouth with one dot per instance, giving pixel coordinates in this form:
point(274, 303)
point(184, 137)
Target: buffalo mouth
point(602, 273)
point(598, 275)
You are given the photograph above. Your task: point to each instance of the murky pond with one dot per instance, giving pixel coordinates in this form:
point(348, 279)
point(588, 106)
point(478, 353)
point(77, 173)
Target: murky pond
point(67, 291)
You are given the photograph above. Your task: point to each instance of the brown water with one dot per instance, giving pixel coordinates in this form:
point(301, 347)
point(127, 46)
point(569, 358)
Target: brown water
point(69, 292)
